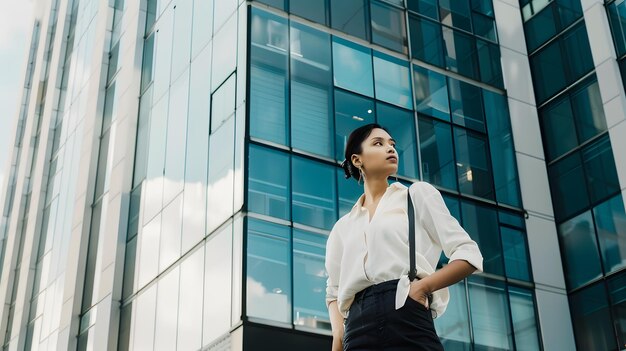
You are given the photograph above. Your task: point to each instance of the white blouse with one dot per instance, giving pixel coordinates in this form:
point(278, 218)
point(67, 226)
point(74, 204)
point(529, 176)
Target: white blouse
point(360, 253)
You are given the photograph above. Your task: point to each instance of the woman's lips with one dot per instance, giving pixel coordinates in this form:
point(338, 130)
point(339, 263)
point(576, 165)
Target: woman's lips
point(392, 158)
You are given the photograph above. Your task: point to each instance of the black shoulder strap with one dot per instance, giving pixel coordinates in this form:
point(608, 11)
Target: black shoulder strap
point(412, 269)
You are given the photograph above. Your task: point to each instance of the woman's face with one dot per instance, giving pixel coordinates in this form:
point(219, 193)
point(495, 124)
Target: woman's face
point(379, 156)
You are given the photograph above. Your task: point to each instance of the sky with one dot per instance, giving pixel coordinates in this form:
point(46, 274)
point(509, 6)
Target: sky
point(16, 19)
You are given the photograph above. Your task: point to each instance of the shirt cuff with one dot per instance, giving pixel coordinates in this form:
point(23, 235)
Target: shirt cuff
point(472, 257)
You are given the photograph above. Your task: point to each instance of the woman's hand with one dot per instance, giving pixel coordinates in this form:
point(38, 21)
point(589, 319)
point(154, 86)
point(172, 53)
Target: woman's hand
point(338, 341)
point(419, 292)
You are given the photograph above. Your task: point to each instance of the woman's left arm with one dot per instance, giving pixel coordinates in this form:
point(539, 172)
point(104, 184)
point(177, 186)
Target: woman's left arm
point(463, 253)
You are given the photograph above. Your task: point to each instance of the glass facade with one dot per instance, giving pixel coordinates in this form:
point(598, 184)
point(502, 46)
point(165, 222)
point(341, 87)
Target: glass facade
point(579, 156)
point(187, 204)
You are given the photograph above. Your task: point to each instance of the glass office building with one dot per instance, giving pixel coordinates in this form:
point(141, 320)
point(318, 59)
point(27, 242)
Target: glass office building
point(175, 167)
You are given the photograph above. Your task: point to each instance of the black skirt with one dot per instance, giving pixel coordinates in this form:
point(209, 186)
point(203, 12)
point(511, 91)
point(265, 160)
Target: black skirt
point(373, 323)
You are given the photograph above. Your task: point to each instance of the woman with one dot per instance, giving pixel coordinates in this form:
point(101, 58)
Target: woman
point(373, 304)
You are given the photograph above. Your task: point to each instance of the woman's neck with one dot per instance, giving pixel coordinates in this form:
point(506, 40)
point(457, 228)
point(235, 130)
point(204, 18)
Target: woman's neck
point(374, 189)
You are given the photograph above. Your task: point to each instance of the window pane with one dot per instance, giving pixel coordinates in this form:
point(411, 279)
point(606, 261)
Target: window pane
point(349, 17)
point(163, 53)
point(143, 333)
point(349, 192)
point(437, 153)
point(224, 59)
point(268, 182)
point(455, 13)
point(191, 291)
point(147, 255)
point(220, 185)
point(392, 79)
point(483, 6)
point(565, 175)
point(269, 270)
point(171, 225)
point(611, 228)
point(223, 103)
point(314, 194)
point(617, 19)
point(466, 105)
point(547, 71)
point(588, 111)
point(481, 223)
point(309, 280)
point(167, 311)
point(268, 77)
point(311, 90)
point(492, 326)
point(617, 291)
point(202, 24)
point(453, 326)
point(426, 41)
point(501, 147)
point(352, 66)
point(388, 27)
point(591, 317)
point(351, 112)
point(578, 239)
point(524, 320)
point(176, 138)
point(427, 8)
point(181, 50)
point(515, 254)
point(314, 10)
point(473, 166)
point(576, 46)
point(540, 28)
point(280, 4)
point(401, 126)
point(600, 169)
point(484, 27)
point(557, 126)
point(431, 93)
point(489, 61)
point(218, 258)
point(460, 52)
point(147, 66)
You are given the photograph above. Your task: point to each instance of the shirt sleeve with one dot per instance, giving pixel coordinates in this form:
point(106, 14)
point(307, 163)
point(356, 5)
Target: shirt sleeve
point(446, 231)
point(333, 259)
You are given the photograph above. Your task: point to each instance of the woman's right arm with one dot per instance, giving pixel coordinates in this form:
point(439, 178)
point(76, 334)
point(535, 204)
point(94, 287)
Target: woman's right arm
point(334, 251)
point(336, 321)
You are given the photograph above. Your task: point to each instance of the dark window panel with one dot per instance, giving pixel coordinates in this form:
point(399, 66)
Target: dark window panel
point(350, 16)
point(431, 93)
point(351, 112)
point(591, 317)
point(268, 182)
point(388, 27)
point(565, 175)
point(610, 222)
point(401, 125)
point(437, 153)
point(473, 164)
point(314, 10)
point(426, 41)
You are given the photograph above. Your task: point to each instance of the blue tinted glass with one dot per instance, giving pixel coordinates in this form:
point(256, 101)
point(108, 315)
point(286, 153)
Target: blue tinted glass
point(388, 26)
point(455, 13)
point(349, 16)
point(275, 3)
point(483, 6)
point(351, 112)
point(557, 126)
point(268, 283)
point(352, 67)
point(453, 326)
point(591, 316)
point(401, 126)
point(515, 254)
point(617, 19)
point(617, 291)
point(426, 41)
point(524, 319)
point(392, 79)
point(437, 153)
point(424, 7)
point(501, 147)
point(511, 218)
point(484, 27)
point(610, 218)
point(578, 52)
point(309, 293)
point(466, 105)
point(349, 192)
point(540, 28)
point(268, 77)
point(600, 169)
point(492, 326)
point(565, 175)
point(489, 63)
point(481, 223)
point(311, 90)
point(473, 166)
point(268, 182)
point(548, 72)
point(315, 10)
point(431, 93)
point(314, 193)
point(588, 111)
point(460, 50)
point(578, 239)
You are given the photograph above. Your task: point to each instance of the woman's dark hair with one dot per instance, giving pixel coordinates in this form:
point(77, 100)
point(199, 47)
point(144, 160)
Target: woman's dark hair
point(353, 146)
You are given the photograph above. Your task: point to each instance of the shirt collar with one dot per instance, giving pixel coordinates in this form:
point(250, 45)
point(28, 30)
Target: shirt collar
point(356, 208)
